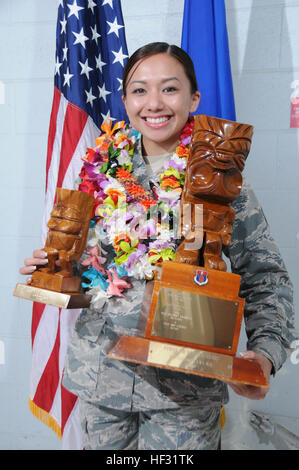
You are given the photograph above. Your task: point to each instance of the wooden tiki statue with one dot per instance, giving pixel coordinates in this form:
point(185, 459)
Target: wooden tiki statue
point(66, 240)
point(214, 180)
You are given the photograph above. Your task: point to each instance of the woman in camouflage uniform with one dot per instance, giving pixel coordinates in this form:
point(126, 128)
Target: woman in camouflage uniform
point(130, 406)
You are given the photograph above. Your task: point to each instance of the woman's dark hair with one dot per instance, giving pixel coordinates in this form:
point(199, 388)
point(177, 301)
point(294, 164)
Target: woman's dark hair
point(159, 48)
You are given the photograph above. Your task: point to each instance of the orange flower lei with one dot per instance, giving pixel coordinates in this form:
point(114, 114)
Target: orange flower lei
point(134, 189)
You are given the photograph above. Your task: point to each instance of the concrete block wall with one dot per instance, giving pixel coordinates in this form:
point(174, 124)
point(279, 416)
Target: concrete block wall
point(263, 37)
point(27, 32)
point(265, 60)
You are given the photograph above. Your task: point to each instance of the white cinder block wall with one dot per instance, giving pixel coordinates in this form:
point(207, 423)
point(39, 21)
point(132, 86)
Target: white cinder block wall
point(264, 42)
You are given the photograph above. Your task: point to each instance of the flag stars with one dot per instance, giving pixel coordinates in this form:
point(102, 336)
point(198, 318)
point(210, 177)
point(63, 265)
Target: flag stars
point(90, 97)
point(107, 116)
point(119, 56)
point(103, 92)
point(64, 50)
point(88, 62)
point(95, 34)
point(74, 9)
point(85, 69)
point(80, 38)
point(99, 63)
point(114, 27)
point(57, 66)
point(120, 82)
point(108, 2)
point(63, 25)
point(67, 77)
point(91, 5)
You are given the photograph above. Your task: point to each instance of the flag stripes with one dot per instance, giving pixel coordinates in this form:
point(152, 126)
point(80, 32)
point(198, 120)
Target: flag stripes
point(90, 55)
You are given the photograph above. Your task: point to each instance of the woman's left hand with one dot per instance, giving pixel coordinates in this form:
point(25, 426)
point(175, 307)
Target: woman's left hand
point(250, 391)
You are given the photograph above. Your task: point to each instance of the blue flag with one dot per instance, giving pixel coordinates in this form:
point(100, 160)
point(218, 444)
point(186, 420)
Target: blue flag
point(205, 39)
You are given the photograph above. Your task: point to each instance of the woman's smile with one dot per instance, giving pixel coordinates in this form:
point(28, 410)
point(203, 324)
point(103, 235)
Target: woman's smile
point(157, 121)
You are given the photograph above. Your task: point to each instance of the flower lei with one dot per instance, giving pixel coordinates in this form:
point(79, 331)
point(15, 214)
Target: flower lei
point(138, 224)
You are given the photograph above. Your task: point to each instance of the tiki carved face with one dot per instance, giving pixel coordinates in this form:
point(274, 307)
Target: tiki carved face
point(217, 158)
point(69, 221)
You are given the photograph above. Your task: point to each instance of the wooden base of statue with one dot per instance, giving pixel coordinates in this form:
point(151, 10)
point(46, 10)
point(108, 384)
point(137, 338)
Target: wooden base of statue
point(56, 282)
point(190, 322)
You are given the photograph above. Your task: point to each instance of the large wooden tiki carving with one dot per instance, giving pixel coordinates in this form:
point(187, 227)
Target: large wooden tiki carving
point(66, 240)
point(214, 180)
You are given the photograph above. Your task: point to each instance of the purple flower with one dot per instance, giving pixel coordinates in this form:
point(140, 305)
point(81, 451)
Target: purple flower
point(104, 182)
point(133, 257)
point(128, 217)
point(122, 144)
point(145, 229)
point(186, 140)
point(131, 260)
point(180, 166)
point(161, 245)
point(93, 172)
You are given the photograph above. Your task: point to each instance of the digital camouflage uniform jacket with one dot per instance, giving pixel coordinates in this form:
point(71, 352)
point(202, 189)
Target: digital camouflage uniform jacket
point(269, 322)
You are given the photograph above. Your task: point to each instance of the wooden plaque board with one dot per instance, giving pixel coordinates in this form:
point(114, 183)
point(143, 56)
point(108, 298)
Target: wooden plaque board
point(200, 340)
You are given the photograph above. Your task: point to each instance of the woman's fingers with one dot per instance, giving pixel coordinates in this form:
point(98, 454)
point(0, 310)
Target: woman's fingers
point(39, 254)
point(250, 391)
point(25, 270)
point(39, 259)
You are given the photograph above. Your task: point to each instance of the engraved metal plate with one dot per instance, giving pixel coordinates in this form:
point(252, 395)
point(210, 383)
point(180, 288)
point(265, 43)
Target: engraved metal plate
point(57, 299)
point(170, 355)
point(41, 295)
point(193, 318)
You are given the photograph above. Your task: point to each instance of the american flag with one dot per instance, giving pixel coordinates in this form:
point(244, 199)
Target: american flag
point(91, 53)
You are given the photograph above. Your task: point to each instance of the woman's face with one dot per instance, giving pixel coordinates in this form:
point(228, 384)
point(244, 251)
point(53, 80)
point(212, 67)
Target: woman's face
point(158, 102)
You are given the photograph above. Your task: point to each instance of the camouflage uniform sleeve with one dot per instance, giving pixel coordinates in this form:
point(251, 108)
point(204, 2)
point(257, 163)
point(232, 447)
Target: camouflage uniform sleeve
point(265, 284)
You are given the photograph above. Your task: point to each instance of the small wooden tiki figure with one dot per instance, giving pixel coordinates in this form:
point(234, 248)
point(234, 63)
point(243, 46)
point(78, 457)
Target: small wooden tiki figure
point(66, 240)
point(214, 180)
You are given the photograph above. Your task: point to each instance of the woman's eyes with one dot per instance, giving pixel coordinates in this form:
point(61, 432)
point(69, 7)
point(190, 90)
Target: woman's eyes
point(170, 89)
point(140, 91)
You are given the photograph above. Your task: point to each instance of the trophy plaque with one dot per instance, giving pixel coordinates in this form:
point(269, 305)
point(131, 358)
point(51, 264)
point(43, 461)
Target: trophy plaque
point(54, 283)
point(191, 315)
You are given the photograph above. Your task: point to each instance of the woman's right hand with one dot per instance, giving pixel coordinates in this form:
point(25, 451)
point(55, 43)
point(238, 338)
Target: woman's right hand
point(39, 258)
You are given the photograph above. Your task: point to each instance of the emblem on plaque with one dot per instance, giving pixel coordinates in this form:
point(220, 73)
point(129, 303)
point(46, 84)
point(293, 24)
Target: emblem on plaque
point(201, 277)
